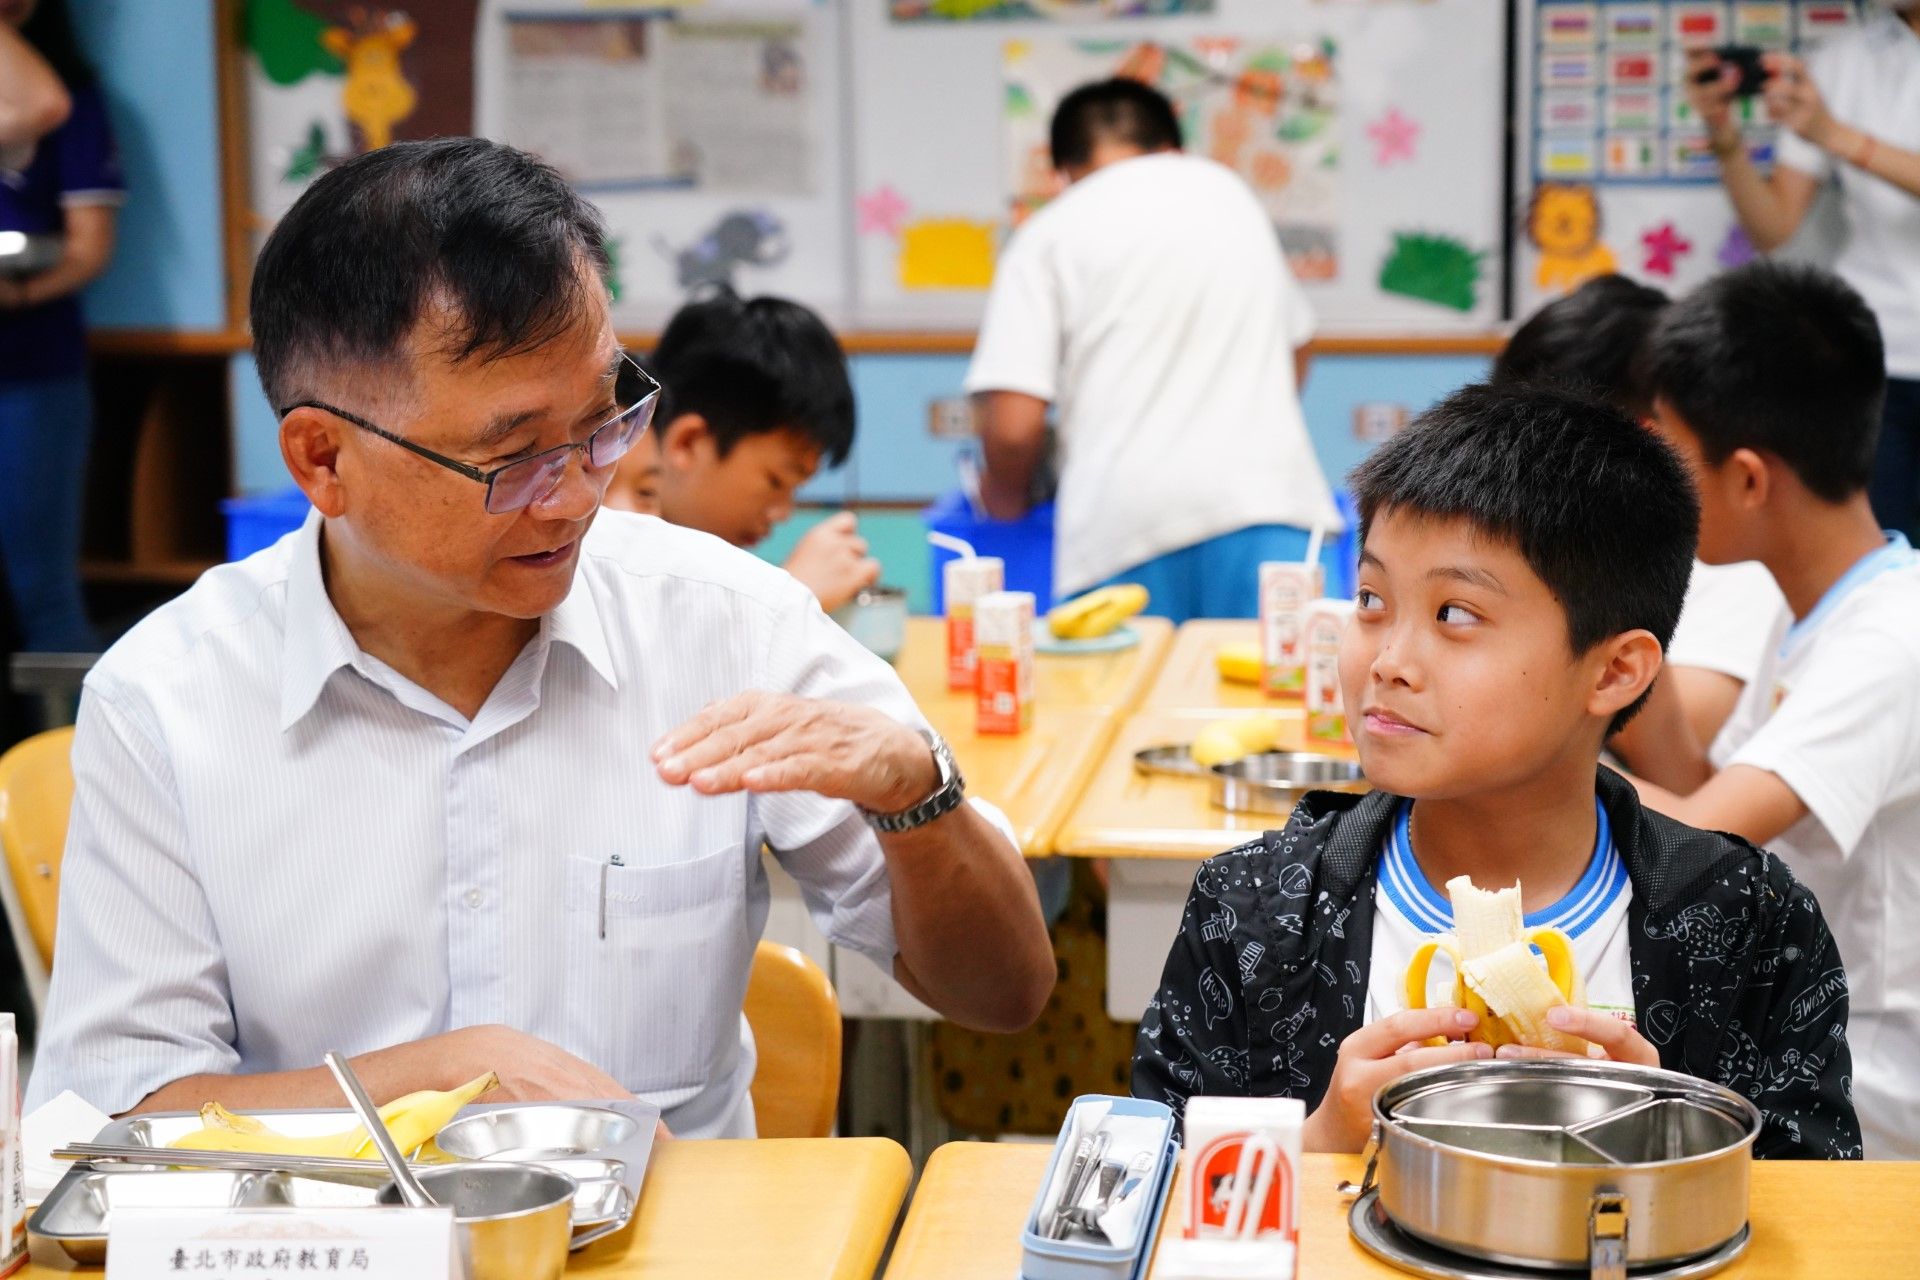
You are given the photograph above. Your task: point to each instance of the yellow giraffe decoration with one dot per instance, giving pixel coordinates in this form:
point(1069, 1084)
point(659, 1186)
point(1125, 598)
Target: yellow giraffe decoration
point(377, 96)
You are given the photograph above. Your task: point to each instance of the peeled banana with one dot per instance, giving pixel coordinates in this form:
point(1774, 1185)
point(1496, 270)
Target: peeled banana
point(1239, 663)
point(1496, 974)
point(412, 1120)
point(1227, 740)
point(1097, 613)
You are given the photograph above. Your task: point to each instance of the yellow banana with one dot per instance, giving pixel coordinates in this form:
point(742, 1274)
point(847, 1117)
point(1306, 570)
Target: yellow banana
point(1227, 740)
point(1238, 663)
point(1496, 974)
point(1097, 613)
point(413, 1120)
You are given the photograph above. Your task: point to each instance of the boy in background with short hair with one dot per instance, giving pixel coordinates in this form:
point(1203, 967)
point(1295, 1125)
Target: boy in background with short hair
point(1524, 554)
point(1593, 341)
point(1768, 381)
point(754, 399)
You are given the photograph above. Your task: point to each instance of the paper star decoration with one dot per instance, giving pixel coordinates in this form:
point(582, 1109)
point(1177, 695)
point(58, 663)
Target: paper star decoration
point(1736, 250)
point(1664, 246)
point(881, 211)
point(1394, 137)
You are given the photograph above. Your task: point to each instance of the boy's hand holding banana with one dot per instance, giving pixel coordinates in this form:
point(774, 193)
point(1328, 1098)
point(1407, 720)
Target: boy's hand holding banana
point(1495, 973)
point(1524, 1010)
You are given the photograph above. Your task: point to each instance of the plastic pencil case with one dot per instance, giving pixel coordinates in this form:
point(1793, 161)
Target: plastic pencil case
point(1044, 1259)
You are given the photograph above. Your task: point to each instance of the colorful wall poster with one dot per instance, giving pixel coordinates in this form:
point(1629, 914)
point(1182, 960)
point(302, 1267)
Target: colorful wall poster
point(1061, 10)
point(1609, 94)
point(1267, 107)
point(616, 101)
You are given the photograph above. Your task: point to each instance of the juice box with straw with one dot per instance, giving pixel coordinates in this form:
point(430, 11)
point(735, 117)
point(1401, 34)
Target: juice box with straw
point(1326, 713)
point(1003, 633)
point(1287, 587)
point(966, 580)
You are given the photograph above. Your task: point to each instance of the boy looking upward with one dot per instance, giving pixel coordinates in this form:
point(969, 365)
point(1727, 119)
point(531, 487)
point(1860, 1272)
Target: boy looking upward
point(755, 398)
point(1768, 381)
point(1524, 556)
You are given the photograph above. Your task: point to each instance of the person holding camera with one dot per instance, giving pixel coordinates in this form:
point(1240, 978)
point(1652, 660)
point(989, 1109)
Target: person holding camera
point(1850, 114)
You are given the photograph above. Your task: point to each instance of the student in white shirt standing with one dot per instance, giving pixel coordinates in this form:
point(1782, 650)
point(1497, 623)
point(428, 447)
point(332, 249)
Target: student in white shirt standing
point(1767, 381)
point(1851, 113)
point(1151, 304)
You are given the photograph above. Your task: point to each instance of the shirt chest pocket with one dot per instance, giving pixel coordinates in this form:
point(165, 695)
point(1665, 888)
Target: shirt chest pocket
point(657, 960)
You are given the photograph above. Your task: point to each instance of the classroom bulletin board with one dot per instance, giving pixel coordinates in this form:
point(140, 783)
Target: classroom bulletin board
point(1613, 170)
point(871, 157)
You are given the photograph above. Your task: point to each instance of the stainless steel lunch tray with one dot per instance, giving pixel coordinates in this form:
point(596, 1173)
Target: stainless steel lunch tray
point(1274, 781)
point(1565, 1164)
point(604, 1146)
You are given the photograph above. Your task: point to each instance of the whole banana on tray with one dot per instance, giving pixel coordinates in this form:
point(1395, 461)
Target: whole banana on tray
point(413, 1121)
point(1496, 973)
point(1097, 613)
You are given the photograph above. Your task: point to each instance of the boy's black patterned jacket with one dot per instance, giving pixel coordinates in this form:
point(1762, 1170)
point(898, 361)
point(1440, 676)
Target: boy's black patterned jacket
point(1735, 977)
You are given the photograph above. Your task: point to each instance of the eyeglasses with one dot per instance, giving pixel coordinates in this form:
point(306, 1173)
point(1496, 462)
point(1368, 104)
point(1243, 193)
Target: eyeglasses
point(525, 481)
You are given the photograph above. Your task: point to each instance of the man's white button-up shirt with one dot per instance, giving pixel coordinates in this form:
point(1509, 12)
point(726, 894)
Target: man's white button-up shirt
point(280, 846)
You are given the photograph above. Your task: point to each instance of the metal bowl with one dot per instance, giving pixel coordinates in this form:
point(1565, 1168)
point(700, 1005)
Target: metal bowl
point(1274, 781)
point(877, 618)
point(538, 1133)
point(1175, 759)
point(1564, 1164)
point(515, 1221)
point(23, 254)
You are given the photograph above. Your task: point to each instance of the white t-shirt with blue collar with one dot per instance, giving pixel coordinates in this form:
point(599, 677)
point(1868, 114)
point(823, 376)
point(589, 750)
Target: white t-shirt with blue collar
point(1408, 909)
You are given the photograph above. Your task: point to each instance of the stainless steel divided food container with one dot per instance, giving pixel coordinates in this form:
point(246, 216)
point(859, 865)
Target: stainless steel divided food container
point(1274, 781)
point(601, 1149)
point(1564, 1164)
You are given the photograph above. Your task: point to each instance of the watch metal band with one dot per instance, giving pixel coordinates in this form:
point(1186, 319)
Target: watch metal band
point(944, 800)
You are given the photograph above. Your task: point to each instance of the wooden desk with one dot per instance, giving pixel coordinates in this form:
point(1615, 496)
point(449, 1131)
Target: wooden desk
point(714, 1210)
point(1810, 1219)
point(1188, 678)
point(1157, 828)
point(1033, 777)
point(1124, 813)
point(1114, 681)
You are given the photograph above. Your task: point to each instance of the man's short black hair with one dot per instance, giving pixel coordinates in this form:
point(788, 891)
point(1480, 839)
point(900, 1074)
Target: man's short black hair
point(1598, 506)
point(1589, 341)
point(1119, 110)
point(491, 233)
point(1781, 358)
point(750, 366)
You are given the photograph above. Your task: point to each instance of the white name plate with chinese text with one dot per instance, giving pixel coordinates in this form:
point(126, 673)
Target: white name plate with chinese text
point(259, 1244)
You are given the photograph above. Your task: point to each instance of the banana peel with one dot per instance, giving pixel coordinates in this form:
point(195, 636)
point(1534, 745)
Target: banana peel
point(1224, 741)
point(413, 1121)
point(1239, 663)
point(1497, 975)
point(1097, 613)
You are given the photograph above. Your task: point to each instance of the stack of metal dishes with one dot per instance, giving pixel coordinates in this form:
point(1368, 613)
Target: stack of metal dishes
point(1274, 781)
point(1488, 1170)
point(594, 1153)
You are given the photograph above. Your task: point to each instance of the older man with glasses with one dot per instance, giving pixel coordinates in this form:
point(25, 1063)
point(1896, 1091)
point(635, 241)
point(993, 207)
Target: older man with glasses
point(466, 775)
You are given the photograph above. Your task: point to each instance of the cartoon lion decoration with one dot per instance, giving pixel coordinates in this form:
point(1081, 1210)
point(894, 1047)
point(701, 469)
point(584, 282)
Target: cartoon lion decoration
point(1563, 222)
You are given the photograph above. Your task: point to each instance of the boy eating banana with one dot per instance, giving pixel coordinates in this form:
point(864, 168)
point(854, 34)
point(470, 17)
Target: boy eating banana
point(1524, 557)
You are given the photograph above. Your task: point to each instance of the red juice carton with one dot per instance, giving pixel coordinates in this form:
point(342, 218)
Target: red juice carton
point(965, 581)
point(1003, 640)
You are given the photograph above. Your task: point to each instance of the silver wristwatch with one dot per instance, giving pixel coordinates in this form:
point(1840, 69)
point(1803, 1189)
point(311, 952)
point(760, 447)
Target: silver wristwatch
point(945, 798)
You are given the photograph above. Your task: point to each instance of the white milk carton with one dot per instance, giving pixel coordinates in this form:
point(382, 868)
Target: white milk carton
point(1287, 587)
point(1326, 714)
point(964, 582)
point(1243, 1168)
